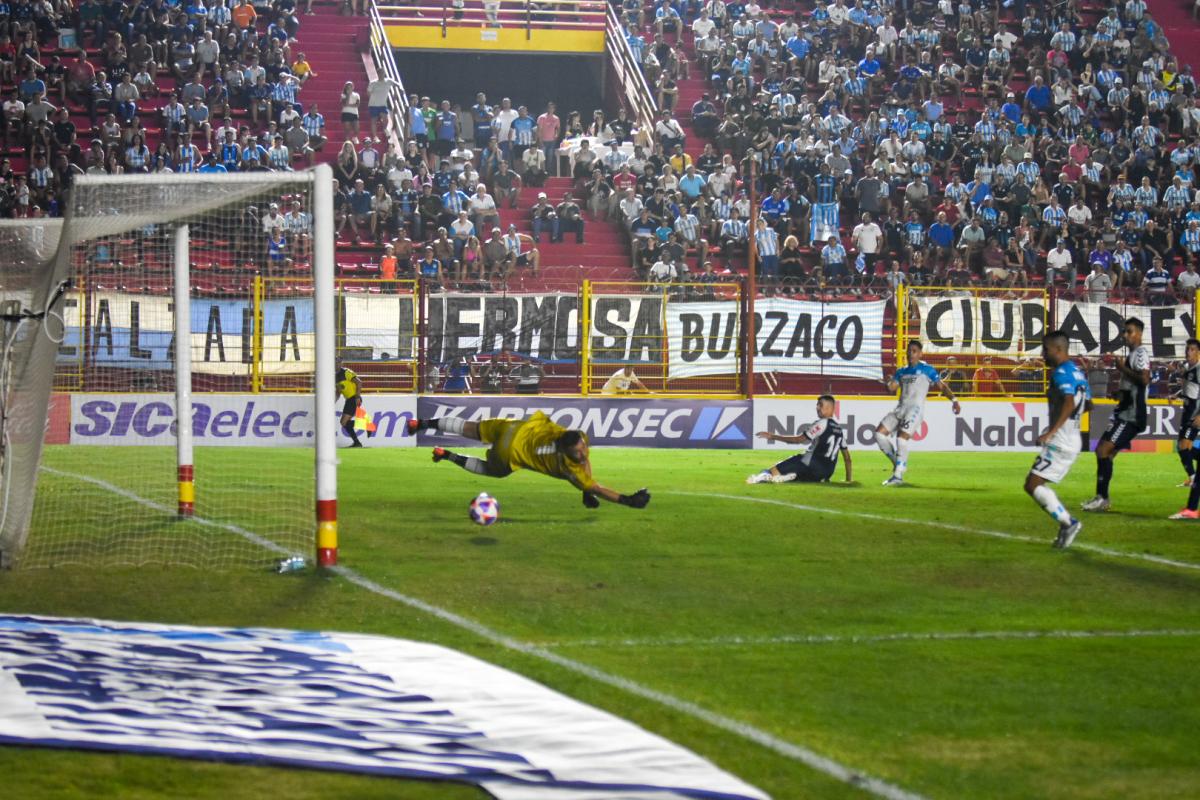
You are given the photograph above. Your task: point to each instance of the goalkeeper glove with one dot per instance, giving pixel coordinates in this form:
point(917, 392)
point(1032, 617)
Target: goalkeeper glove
point(638, 499)
point(590, 500)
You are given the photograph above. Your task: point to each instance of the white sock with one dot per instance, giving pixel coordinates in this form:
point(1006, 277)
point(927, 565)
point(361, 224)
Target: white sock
point(1047, 499)
point(450, 424)
point(901, 456)
point(884, 441)
point(476, 465)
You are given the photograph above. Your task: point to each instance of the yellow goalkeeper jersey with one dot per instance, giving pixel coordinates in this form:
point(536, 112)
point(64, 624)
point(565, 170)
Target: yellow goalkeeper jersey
point(529, 444)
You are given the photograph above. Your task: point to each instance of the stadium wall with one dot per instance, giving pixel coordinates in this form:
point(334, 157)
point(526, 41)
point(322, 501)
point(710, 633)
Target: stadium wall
point(281, 420)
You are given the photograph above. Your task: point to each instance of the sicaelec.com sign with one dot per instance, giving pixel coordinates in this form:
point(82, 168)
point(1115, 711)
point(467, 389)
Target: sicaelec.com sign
point(224, 420)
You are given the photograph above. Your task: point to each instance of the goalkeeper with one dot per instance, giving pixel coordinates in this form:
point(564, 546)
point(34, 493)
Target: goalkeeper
point(536, 444)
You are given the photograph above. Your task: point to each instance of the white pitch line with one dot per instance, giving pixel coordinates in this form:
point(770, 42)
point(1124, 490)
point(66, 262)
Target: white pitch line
point(937, 636)
point(810, 758)
point(949, 526)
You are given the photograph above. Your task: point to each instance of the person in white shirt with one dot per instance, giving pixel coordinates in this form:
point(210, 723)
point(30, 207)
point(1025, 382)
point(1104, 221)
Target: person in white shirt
point(483, 208)
point(1098, 283)
point(1059, 261)
point(623, 381)
point(867, 237)
point(663, 272)
point(1079, 214)
point(1188, 281)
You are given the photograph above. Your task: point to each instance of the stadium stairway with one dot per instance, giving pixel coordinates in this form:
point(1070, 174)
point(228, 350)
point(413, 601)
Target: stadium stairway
point(334, 46)
point(603, 256)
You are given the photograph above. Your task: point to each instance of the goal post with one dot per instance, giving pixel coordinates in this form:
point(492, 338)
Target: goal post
point(159, 449)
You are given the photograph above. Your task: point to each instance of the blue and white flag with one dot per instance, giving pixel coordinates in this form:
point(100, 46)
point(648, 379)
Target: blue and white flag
point(825, 222)
point(336, 701)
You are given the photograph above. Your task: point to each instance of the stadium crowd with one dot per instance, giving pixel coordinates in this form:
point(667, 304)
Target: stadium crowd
point(948, 143)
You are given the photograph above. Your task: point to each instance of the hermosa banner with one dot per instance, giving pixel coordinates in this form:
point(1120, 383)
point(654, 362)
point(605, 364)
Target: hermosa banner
point(1095, 328)
point(607, 422)
point(332, 701)
point(226, 420)
point(982, 426)
point(545, 327)
point(970, 324)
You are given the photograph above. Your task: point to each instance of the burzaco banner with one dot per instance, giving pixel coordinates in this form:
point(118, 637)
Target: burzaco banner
point(819, 338)
point(628, 422)
point(1014, 328)
point(702, 337)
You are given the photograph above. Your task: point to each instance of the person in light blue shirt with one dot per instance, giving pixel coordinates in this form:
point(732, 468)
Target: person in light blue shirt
point(1068, 396)
point(895, 431)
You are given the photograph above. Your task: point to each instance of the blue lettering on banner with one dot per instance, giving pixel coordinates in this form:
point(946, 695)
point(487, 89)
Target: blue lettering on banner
point(347, 702)
point(246, 420)
point(608, 422)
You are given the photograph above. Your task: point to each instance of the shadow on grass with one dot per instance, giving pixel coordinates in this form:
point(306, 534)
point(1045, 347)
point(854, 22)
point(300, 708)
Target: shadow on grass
point(1152, 575)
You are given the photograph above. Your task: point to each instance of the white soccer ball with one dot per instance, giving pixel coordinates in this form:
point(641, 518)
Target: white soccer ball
point(484, 509)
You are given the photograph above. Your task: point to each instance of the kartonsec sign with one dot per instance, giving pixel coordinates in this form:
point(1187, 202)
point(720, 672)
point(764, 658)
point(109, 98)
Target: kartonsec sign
point(607, 422)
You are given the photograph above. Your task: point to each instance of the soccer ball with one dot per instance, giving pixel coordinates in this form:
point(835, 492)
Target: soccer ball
point(484, 509)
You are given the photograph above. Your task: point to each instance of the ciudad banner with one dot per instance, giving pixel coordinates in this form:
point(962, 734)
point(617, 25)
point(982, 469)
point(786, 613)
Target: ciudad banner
point(1014, 328)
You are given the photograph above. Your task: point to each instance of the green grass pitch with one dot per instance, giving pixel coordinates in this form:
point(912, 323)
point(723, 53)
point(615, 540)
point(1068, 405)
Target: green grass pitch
point(845, 620)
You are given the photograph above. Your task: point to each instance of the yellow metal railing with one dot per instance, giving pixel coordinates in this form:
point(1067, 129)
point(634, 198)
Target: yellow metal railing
point(632, 340)
point(974, 359)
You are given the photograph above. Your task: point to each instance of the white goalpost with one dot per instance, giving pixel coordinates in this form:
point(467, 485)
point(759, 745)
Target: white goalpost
point(185, 384)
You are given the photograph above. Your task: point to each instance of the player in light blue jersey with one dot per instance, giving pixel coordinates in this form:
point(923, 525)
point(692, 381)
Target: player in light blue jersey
point(914, 382)
point(1068, 397)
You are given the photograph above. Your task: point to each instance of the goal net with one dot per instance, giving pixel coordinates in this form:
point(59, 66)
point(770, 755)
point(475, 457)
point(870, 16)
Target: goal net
point(184, 383)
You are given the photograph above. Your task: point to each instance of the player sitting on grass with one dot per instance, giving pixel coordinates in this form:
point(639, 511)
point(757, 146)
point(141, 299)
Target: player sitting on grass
point(535, 443)
point(349, 386)
point(914, 382)
point(825, 439)
point(1068, 397)
point(1129, 418)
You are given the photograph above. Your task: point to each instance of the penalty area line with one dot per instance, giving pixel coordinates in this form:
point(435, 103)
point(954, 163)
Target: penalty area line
point(818, 639)
point(948, 526)
point(795, 752)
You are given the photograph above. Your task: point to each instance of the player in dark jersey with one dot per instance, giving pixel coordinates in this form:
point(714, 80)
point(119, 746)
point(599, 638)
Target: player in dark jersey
point(826, 440)
point(1129, 418)
point(1189, 392)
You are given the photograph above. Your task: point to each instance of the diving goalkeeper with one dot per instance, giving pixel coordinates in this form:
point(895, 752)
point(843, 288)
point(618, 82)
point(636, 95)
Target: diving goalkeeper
point(536, 444)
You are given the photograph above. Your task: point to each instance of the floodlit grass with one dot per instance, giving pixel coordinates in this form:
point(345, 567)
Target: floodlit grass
point(805, 622)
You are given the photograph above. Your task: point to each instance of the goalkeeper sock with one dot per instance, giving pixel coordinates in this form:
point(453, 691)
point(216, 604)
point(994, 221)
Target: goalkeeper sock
point(1047, 499)
point(901, 456)
point(886, 446)
point(449, 425)
point(469, 463)
point(353, 434)
point(1104, 473)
